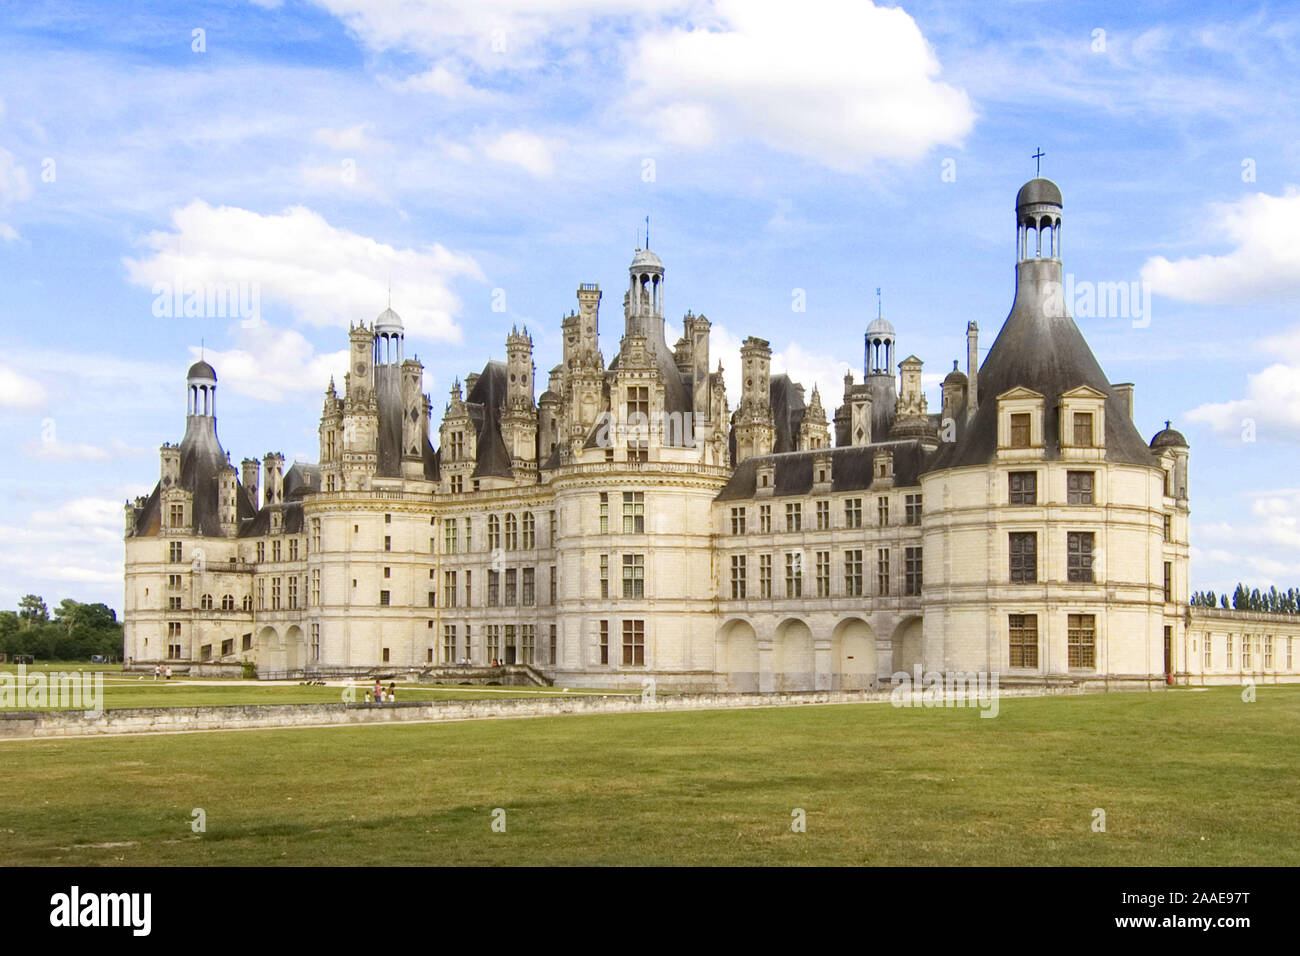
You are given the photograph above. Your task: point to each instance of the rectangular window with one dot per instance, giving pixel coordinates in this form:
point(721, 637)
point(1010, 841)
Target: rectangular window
point(1247, 652)
point(494, 533)
point(638, 451)
point(512, 583)
point(912, 503)
point(1268, 652)
point(177, 515)
point(764, 519)
point(494, 588)
point(882, 571)
point(388, 543)
point(1023, 546)
point(853, 573)
point(793, 516)
point(604, 512)
point(1169, 582)
point(1169, 527)
point(228, 645)
point(1227, 645)
point(1023, 630)
point(315, 535)
point(823, 574)
point(493, 649)
point(738, 577)
point(469, 534)
point(1081, 633)
point(1020, 430)
point(173, 604)
point(1078, 487)
point(275, 594)
point(450, 531)
point(912, 571)
point(1079, 556)
point(315, 587)
point(853, 513)
point(634, 512)
point(293, 549)
point(457, 484)
point(529, 587)
point(1023, 487)
point(794, 574)
point(634, 642)
point(433, 598)
point(604, 642)
point(469, 589)
point(1207, 651)
point(261, 594)
point(383, 598)
point(604, 575)
point(530, 531)
point(512, 533)
point(552, 573)
point(448, 588)
point(174, 552)
point(1083, 429)
point(882, 511)
point(823, 516)
point(527, 643)
point(275, 550)
point(448, 643)
point(554, 647)
point(765, 576)
point(634, 575)
point(737, 520)
point(293, 593)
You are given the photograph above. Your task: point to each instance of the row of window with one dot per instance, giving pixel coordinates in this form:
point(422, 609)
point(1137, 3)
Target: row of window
point(1079, 548)
point(1254, 649)
point(1081, 428)
point(633, 512)
point(853, 574)
point(822, 515)
point(1081, 640)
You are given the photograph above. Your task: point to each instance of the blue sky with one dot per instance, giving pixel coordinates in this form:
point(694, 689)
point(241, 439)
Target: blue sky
point(505, 151)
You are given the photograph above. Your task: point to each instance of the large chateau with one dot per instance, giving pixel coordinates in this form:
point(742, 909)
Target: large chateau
point(627, 524)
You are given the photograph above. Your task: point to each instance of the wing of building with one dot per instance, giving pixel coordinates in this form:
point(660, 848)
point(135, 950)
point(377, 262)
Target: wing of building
point(625, 524)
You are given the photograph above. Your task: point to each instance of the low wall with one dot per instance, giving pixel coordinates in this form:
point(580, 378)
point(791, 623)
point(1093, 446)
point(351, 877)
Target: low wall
point(44, 724)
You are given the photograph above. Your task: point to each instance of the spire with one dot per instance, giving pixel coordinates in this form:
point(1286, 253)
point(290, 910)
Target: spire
point(647, 232)
point(1038, 161)
point(880, 314)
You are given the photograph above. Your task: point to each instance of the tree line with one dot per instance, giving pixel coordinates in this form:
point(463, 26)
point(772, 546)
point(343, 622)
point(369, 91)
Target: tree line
point(74, 632)
point(1272, 600)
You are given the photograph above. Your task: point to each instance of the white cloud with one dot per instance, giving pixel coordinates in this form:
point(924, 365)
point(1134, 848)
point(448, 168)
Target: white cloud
point(351, 139)
point(79, 541)
point(524, 150)
point(14, 184)
point(1262, 551)
point(1264, 263)
point(843, 82)
point(273, 364)
point(445, 83)
point(54, 450)
point(326, 275)
point(19, 391)
point(1271, 406)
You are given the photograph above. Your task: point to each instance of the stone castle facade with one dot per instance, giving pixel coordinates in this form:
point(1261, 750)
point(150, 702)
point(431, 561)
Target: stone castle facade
point(626, 524)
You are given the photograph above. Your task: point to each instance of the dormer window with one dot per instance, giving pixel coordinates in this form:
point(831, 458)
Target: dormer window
point(1083, 429)
point(1020, 430)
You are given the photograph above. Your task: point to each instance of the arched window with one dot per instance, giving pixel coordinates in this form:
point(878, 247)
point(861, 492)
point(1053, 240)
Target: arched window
point(512, 533)
point(494, 532)
point(205, 602)
point(228, 602)
point(248, 602)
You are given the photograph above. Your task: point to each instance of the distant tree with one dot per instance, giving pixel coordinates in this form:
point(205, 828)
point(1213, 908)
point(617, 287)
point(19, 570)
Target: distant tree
point(1223, 599)
point(32, 610)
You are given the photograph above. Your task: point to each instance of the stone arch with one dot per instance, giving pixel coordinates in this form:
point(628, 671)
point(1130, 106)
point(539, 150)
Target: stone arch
point(908, 645)
point(270, 648)
point(295, 647)
point(793, 659)
point(853, 655)
point(738, 655)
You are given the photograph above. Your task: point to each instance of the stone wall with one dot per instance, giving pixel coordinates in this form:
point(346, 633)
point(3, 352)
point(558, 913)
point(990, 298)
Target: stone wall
point(30, 724)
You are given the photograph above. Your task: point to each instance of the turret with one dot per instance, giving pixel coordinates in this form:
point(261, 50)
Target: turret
point(248, 478)
point(228, 501)
point(755, 429)
point(273, 479)
point(412, 420)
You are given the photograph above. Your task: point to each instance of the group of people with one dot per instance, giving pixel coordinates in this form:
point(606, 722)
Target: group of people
point(164, 672)
point(382, 695)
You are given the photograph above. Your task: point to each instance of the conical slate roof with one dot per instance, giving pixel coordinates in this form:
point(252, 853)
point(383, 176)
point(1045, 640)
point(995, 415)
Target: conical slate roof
point(1040, 348)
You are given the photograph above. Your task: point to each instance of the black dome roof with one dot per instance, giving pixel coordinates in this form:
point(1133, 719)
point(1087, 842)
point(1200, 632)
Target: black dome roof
point(1038, 191)
point(1169, 437)
point(202, 369)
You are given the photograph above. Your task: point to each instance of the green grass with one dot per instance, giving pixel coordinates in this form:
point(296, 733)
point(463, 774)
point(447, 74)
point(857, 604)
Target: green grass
point(1189, 778)
point(131, 690)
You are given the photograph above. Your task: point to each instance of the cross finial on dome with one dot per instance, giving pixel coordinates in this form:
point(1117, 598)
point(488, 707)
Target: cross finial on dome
point(1038, 160)
point(1166, 424)
point(879, 304)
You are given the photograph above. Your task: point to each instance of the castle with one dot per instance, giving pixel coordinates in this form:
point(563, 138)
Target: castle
point(626, 524)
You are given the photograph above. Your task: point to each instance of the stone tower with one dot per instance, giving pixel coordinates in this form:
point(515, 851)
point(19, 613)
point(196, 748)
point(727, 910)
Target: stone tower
point(755, 429)
point(519, 417)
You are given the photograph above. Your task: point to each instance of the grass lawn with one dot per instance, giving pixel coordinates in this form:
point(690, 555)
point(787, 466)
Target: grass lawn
point(1192, 778)
point(135, 690)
